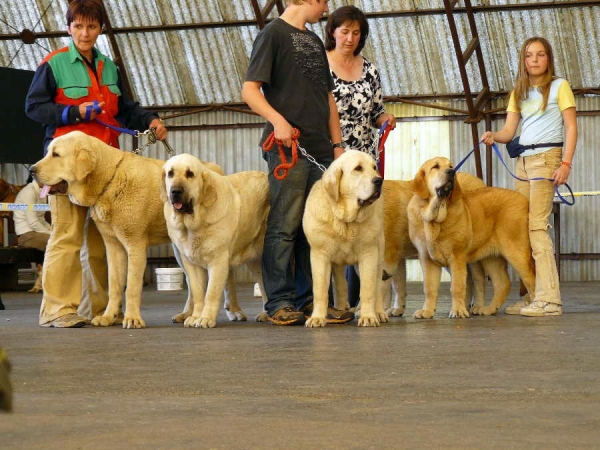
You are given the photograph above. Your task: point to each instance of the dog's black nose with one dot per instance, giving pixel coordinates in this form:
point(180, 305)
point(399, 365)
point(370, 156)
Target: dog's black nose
point(450, 173)
point(176, 192)
point(378, 181)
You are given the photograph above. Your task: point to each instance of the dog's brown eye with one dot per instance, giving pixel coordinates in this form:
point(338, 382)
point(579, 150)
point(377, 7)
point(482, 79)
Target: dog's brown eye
point(436, 166)
point(170, 173)
point(359, 168)
point(55, 155)
point(189, 174)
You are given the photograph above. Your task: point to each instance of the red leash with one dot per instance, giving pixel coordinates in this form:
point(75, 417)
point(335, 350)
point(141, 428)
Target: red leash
point(282, 169)
point(383, 135)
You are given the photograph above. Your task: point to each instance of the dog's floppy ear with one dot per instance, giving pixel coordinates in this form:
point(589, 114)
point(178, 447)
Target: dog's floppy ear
point(331, 182)
point(164, 197)
point(456, 191)
point(420, 184)
point(209, 190)
point(84, 163)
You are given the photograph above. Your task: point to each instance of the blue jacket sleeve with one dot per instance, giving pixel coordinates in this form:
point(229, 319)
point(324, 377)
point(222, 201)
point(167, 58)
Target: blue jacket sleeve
point(39, 103)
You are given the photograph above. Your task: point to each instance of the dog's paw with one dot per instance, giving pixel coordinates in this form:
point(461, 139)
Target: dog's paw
point(395, 312)
point(484, 310)
point(476, 310)
point(315, 322)
point(189, 322)
point(179, 318)
point(133, 322)
point(423, 314)
point(383, 317)
point(236, 316)
point(103, 321)
point(366, 321)
point(205, 322)
point(458, 313)
point(262, 317)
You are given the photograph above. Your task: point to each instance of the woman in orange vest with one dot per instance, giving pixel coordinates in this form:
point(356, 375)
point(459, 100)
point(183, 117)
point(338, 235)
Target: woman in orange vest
point(61, 97)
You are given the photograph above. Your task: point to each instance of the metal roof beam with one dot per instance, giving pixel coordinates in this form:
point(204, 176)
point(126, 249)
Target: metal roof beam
point(384, 14)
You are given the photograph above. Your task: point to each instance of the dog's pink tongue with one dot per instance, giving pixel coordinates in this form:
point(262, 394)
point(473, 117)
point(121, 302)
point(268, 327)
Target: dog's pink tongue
point(44, 191)
point(178, 205)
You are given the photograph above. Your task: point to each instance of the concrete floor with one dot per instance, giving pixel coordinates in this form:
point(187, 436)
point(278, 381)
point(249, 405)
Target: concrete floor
point(485, 382)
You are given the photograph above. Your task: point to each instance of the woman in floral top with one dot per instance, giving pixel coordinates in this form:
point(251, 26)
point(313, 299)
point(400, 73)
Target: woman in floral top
point(357, 93)
point(357, 84)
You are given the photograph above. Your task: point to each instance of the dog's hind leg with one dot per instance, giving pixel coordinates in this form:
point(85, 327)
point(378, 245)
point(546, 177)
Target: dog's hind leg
point(475, 293)
point(524, 265)
point(397, 291)
point(232, 308)
point(256, 267)
point(340, 285)
point(496, 268)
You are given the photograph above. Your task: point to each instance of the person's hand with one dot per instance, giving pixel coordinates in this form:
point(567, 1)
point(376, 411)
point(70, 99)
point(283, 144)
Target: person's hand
point(93, 114)
point(283, 132)
point(487, 138)
point(161, 130)
point(561, 175)
point(391, 119)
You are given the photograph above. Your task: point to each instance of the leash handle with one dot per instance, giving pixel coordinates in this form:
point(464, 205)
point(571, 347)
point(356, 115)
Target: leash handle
point(281, 171)
point(562, 199)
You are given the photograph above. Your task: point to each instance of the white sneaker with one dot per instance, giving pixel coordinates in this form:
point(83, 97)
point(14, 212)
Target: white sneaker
point(541, 309)
point(515, 308)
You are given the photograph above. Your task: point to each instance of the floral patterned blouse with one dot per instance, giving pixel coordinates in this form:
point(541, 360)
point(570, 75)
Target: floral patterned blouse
point(359, 104)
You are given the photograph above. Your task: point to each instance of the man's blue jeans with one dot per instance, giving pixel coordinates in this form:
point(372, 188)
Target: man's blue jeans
point(286, 256)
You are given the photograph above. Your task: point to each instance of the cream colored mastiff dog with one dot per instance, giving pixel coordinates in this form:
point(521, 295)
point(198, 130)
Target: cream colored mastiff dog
point(343, 222)
point(217, 222)
point(123, 191)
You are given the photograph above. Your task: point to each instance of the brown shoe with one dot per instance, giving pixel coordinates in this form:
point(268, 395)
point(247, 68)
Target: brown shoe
point(68, 321)
point(287, 316)
point(334, 316)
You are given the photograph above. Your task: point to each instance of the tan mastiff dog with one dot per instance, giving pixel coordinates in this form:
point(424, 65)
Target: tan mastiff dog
point(451, 228)
point(343, 222)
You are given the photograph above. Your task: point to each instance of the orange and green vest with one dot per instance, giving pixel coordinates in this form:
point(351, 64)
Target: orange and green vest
point(76, 84)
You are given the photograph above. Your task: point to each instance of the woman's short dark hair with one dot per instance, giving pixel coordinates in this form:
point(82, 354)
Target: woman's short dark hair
point(339, 17)
point(86, 9)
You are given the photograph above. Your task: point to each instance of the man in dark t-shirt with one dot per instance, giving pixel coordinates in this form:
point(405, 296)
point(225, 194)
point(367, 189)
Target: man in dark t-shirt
point(289, 84)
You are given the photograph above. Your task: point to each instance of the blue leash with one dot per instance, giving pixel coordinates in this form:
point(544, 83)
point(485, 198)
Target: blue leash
point(497, 151)
point(98, 110)
point(151, 135)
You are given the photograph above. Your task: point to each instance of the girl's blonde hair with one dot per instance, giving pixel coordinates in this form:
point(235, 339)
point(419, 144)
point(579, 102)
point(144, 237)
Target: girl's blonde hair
point(522, 85)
